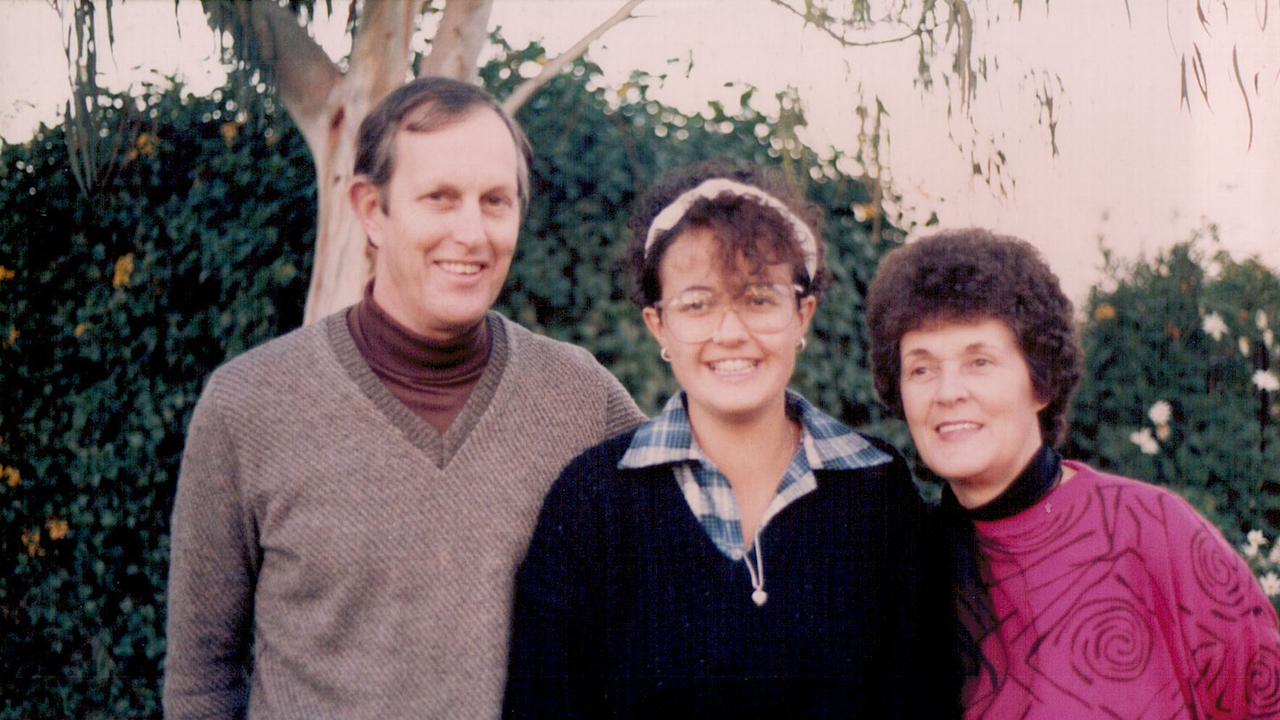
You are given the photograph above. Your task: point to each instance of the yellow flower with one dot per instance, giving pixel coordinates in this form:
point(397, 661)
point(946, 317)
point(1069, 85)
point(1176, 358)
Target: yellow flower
point(863, 212)
point(146, 144)
point(31, 539)
point(13, 336)
point(1162, 433)
point(229, 132)
point(1104, 312)
point(124, 271)
point(81, 329)
point(58, 529)
point(6, 273)
point(12, 477)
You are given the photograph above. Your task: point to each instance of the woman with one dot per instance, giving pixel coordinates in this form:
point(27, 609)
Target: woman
point(742, 554)
point(1087, 595)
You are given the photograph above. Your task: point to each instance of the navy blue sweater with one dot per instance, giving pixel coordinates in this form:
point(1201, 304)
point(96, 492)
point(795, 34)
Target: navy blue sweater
point(624, 607)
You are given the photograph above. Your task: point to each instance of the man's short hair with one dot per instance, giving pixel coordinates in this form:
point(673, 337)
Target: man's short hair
point(427, 105)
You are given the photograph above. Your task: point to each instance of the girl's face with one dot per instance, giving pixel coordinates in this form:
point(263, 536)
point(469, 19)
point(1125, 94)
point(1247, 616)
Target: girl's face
point(732, 340)
point(969, 402)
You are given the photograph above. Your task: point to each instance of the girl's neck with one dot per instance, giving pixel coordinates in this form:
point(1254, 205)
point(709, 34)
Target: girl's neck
point(747, 448)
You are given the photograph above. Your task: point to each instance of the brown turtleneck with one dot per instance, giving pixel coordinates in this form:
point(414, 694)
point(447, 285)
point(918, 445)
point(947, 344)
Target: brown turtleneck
point(433, 378)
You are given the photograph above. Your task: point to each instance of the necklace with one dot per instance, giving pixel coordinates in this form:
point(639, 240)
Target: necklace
point(758, 595)
point(756, 572)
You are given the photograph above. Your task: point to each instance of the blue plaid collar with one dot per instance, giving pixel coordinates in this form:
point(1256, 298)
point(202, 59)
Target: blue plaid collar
point(828, 443)
point(668, 440)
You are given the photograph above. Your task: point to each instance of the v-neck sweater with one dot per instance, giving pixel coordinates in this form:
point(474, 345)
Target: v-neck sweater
point(364, 558)
point(1115, 599)
point(625, 608)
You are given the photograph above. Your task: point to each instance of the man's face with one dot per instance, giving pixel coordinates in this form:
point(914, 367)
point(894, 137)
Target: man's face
point(446, 224)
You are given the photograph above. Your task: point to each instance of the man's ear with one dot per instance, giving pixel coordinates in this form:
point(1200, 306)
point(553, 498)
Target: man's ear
point(366, 202)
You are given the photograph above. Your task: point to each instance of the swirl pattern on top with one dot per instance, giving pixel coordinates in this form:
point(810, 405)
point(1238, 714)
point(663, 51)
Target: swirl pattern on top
point(1216, 569)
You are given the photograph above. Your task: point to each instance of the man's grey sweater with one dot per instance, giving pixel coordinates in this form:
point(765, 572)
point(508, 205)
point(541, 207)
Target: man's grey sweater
point(333, 556)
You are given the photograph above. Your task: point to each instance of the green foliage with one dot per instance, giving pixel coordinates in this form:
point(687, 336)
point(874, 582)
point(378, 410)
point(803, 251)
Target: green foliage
point(113, 310)
point(1202, 341)
point(196, 246)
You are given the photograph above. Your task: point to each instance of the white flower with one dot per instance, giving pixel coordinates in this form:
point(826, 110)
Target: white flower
point(1266, 380)
point(1274, 556)
point(1145, 441)
point(1268, 338)
point(1261, 320)
point(1244, 346)
point(1256, 537)
point(1270, 584)
point(1214, 326)
point(1250, 551)
point(1160, 412)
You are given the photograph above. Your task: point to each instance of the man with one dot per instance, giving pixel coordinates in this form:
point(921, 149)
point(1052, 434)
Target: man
point(354, 496)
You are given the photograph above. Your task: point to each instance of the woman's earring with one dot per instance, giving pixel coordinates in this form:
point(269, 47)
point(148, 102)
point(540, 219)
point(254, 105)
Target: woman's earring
point(664, 354)
point(800, 346)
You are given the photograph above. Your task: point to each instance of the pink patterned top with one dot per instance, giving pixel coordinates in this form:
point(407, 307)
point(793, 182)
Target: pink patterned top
point(1115, 599)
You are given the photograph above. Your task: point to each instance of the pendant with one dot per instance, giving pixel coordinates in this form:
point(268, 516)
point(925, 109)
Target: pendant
point(759, 596)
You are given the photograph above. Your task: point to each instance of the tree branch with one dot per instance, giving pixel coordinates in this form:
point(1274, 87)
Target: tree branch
point(380, 53)
point(455, 49)
point(917, 31)
point(268, 36)
point(526, 89)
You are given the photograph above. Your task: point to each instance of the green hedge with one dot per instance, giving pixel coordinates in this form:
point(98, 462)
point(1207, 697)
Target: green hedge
point(114, 309)
point(1180, 349)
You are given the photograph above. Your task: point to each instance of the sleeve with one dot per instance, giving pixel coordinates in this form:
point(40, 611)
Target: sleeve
point(553, 666)
point(1228, 625)
point(919, 645)
point(621, 412)
point(212, 572)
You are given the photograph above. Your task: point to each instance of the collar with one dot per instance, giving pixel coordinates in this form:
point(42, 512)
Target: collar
point(401, 355)
point(828, 444)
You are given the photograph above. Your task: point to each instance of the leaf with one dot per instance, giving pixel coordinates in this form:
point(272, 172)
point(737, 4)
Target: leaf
point(1184, 100)
point(1202, 76)
point(1235, 65)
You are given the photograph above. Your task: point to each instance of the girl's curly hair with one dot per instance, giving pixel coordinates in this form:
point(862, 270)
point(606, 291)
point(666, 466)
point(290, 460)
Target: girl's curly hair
point(750, 234)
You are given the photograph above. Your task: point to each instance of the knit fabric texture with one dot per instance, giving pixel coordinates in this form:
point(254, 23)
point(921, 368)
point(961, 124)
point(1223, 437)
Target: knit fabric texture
point(1115, 599)
point(333, 556)
point(626, 609)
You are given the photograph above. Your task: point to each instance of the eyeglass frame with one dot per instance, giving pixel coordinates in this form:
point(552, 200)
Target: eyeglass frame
point(799, 294)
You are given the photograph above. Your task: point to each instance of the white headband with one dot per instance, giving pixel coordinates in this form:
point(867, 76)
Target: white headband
point(672, 214)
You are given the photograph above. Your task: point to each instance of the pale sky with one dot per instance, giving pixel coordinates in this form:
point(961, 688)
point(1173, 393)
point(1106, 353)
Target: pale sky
point(1132, 165)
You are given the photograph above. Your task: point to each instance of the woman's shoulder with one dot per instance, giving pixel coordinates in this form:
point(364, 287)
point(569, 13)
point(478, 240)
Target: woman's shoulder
point(1139, 498)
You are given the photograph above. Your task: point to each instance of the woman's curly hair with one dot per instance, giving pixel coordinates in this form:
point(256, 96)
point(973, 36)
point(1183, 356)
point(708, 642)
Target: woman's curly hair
point(750, 234)
point(973, 274)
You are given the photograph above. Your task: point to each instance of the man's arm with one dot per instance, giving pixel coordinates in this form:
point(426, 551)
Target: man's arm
point(212, 572)
point(621, 412)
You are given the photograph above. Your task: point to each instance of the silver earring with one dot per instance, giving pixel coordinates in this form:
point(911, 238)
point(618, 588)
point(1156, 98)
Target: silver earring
point(800, 346)
point(664, 354)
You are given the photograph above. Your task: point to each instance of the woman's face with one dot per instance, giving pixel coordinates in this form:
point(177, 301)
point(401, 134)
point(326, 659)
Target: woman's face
point(967, 395)
point(737, 373)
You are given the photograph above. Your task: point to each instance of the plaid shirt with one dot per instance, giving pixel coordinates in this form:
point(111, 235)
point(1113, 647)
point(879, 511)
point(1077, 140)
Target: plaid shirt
point(826, 444)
